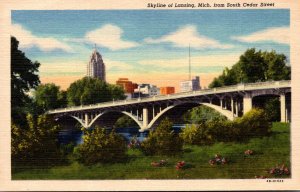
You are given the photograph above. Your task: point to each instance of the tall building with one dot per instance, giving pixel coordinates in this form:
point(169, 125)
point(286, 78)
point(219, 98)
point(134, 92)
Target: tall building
point(96, 67)
point(167, 90)
point(190, 85)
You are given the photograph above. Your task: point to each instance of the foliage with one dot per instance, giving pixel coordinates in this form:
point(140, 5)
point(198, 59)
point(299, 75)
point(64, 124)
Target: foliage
point(269, 152)
point(162, 140)
point(254, 66)
point(252, 124)
point(37, 142)
point(202, 114)
point(92, 90)
point(116, 91)
point(272, 108)
point(196, 134)
point(125, 121)
point(24, 77)
point(100, 147)
point(48, 96)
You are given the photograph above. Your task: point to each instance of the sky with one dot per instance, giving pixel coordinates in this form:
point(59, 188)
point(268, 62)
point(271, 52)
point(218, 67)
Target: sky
point(146, 46)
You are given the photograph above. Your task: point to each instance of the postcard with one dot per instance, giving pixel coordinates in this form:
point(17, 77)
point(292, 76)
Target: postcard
point(149, 95)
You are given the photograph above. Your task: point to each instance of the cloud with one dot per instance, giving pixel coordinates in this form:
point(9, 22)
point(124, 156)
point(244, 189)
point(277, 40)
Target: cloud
point(72, 67)
point(28, 40)
point(109, 36)
point(189, 36)
point(223, 60)
point(276, 35)
point(117, 66)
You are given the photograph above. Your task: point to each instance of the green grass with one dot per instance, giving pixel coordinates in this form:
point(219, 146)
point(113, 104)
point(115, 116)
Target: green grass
point(269, 152)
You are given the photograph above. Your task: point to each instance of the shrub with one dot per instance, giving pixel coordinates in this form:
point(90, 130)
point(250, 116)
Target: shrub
point(222, 130)
point(196, 134)
point(36, 142)
point(162, 141)
point(254, 124)
point(99, 147)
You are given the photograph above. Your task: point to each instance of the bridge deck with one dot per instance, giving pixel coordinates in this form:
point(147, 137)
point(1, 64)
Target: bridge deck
point(219, 90)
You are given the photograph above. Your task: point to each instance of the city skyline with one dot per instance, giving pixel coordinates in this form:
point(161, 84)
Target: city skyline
point(143, 44)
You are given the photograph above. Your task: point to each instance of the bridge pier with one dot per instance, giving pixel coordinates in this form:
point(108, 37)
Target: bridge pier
point(232, 106)
point(145, 118)
point(86, 120)
point(282, 108)
point(236, 108)
point(247, 103)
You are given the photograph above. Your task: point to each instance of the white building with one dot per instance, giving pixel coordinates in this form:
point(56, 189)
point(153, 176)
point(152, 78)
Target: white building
point(146, 90)
point(190, 85)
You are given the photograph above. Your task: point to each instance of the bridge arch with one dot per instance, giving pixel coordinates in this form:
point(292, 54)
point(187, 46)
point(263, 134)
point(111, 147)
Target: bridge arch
point(78, 120)
point(133, 117)
point(219, 109)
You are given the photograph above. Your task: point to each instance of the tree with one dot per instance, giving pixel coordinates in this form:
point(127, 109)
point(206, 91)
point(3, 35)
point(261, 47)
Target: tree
point(24, 77)
point(162, 140)
point(255, 66)
point(48, 96)
point(37, 143)
point(100, 147)
point(117, 92)
point(277, 68)
point(202, 114)
point(92, 90)
point(125, 121)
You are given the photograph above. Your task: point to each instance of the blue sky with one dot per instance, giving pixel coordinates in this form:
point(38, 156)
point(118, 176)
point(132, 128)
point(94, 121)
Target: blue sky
point(146, 45)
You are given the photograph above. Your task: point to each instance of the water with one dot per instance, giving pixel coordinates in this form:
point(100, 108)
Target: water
point(75, 136)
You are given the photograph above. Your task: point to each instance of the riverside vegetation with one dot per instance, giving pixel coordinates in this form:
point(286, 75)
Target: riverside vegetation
point(209, 147)
point(199, 151)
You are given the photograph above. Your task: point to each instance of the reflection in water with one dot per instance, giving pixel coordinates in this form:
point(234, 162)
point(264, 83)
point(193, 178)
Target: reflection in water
point(71, 135)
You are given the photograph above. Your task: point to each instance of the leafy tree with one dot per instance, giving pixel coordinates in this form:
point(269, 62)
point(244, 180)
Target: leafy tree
point(92, 90)
point(125, 121)
point(48, 96)
point(216, 83)
point(196, 134)
point(37, 143)
point(117, 92)
point(255, 66)
point(100, 147)
point(272, 109)
point(162, 140)
point(277, 68)
point(202, 114)
point(24, 77)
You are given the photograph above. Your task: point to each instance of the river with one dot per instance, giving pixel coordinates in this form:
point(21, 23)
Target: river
point(66, 136)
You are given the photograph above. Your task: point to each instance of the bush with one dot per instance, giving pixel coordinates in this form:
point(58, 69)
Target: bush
point(100, 147)
point(196, 134)
point(222, 131)
point(36, 142)
point(252, 124)
point(162, 141)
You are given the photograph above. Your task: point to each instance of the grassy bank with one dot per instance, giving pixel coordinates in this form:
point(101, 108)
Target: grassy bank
point(268, 152)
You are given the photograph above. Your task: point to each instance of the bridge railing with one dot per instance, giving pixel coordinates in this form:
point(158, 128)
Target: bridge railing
point(232, 88)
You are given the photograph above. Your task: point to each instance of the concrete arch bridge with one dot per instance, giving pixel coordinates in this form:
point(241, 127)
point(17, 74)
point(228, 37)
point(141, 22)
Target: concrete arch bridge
point(230, 101)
